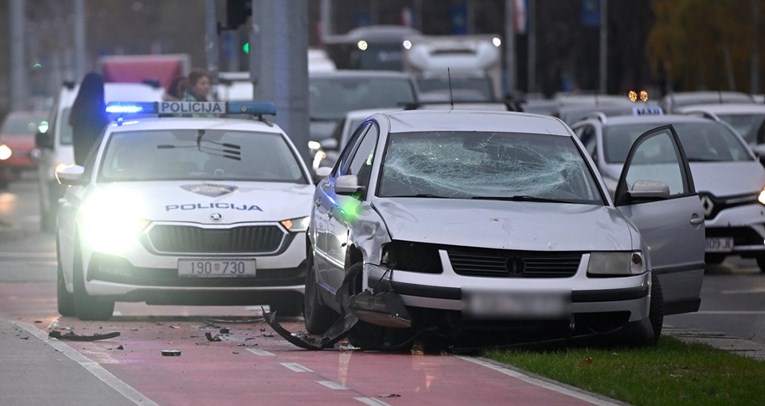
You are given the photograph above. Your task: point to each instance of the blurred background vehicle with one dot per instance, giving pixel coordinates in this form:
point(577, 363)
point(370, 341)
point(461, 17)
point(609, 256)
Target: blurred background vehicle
point(373, 47)
point(672, 102)
point(17, 143)
point(746, 118)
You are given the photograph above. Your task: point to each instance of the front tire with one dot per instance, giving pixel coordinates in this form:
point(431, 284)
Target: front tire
point(65, 300)
point(87, 307)
point(318, 317)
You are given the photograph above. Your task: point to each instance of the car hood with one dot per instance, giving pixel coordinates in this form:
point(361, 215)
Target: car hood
point(507, 225)
point(728, 178)
point(190, 201)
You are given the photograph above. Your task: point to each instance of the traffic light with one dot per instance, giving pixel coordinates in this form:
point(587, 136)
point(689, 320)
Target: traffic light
point(237, 12)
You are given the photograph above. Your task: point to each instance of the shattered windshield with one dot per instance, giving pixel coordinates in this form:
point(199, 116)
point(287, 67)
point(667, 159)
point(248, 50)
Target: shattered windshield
point(199, 155)
point(486, 165)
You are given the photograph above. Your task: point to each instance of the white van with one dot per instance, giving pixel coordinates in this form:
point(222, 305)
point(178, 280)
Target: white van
point(55, 145)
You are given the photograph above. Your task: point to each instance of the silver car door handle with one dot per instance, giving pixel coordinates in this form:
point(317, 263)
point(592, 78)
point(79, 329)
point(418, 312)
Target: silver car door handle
point(696, 219)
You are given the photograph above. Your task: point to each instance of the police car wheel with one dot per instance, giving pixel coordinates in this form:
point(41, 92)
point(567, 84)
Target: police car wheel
point(87, 307)
point(318, 317)
point(65, 300)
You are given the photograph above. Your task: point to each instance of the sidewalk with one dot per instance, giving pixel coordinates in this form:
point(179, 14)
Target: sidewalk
point(736, 345)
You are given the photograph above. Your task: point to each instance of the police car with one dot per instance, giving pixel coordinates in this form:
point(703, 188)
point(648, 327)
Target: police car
point(180, 210)
point(728, 177)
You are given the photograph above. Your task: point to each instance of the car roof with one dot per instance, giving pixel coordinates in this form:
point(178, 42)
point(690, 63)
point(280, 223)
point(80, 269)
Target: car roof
point(657, 119)
point(469, 120)
point(728, 108)
point(195, 123)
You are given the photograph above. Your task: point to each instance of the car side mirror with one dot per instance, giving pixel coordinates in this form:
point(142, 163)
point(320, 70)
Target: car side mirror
point(44, 140)
point(648, 190)
point(70, 175)
point(321, 173)
point(347, 185)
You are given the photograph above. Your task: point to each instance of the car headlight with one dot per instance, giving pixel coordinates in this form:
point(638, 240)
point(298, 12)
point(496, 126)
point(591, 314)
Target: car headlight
point(761, 198)
point(619, 263)
point(5, 152)
point(111, 222)
point(296, 225)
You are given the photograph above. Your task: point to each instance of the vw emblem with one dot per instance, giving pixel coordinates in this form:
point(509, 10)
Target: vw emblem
point(514, 266)
point(216, 217)
point(707, 205)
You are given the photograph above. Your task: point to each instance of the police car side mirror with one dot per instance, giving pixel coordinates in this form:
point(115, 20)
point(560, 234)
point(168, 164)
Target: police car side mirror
point(70, 175)
point(347, 185)
point(44, 140)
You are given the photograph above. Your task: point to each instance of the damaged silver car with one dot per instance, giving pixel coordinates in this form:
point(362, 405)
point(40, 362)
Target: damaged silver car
point(497, 224)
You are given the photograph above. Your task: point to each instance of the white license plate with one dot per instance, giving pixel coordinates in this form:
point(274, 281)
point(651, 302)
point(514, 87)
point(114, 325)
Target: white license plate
point(517, 305)
point(719, 244)
point(217, 268)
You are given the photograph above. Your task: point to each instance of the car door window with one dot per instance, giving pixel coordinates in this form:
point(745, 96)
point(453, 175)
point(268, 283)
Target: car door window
point(345, 156)
point(362, 158)
point(656, 156)
point(587, 136)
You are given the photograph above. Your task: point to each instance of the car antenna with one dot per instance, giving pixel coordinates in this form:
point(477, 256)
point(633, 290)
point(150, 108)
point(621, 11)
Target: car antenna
point(451, 96)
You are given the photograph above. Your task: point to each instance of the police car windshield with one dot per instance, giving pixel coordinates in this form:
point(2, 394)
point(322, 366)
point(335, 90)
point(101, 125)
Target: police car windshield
point(185, 155)
point(702, 142)
point(486, 165)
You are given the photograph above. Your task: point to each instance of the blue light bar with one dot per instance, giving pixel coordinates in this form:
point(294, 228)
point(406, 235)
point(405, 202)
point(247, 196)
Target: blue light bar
point(187, 108)
point(131, 108)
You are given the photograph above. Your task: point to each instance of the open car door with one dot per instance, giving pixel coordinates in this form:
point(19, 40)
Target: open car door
point(656, 192)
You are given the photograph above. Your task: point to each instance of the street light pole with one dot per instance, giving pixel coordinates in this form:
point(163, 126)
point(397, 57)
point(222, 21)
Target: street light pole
point(510, 45)
point(80, 57)
point(603, 47)
point(19, 91)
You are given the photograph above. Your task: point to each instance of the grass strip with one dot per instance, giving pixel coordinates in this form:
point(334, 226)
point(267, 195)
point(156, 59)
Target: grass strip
point(672, 373)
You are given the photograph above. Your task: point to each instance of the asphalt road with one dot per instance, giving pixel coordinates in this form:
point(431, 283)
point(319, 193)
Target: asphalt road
point(251, 364)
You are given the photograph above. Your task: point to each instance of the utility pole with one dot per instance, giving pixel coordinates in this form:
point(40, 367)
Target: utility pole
point(326, 20)
point(280, 55)
point(603, 48)
point(532, 53)
point(510, 45)
point(80, 56)
point(211, 39)
point(17, 24)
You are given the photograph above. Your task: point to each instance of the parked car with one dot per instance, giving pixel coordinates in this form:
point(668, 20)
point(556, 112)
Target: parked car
point(728, 177)
point(17, 143)
point(185, 211)
point(672, 102)
point(499, 220)
point(746, 118)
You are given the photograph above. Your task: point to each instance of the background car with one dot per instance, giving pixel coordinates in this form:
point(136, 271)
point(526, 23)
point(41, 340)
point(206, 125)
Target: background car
point(499, 220)
point(672, 102)
point(746, 118)
point(179, 210)
point(17, 143)
point(729, 179)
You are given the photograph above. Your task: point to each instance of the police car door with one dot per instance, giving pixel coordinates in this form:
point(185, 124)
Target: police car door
point(671, 221)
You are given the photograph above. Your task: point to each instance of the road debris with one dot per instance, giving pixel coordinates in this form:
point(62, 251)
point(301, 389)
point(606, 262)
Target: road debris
point(225, 330)
point(210, 337)
point(76, 337)
point(171, 353)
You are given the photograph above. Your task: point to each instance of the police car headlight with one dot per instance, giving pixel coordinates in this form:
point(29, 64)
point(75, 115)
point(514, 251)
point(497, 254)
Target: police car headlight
point(296, 225)
point(111, 223)
point(616, 263)
point(5, 152)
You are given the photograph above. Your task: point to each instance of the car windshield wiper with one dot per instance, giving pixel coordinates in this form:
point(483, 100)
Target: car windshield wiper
point(521, 198)
point(705, 160)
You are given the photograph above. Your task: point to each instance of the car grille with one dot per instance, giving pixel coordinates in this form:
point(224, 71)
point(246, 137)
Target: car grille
point(510, 264)
point(190, 239)
point(414, 257)
point(713, 205)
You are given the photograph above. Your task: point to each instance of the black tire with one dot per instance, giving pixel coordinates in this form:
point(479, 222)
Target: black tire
point(318, 317)
point(289, 306)
point(87, 307)
point(64, 299)
point(714, 259)
point(761, 263)
point(656, 313)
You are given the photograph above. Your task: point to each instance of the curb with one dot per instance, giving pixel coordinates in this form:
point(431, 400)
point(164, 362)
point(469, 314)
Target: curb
point(733, 344)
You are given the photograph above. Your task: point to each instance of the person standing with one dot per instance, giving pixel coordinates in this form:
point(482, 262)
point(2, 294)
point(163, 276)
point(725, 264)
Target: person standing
point(88, 116)
point(198, 86)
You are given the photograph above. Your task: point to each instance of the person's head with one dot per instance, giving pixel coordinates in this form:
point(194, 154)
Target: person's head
point(198, 84)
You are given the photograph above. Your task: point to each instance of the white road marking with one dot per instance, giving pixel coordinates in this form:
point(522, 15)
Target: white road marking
point(732, 312)
point(262, 353)
point(332, 385)
point(550, 385)
point(738, 292)
point(91, 366)
point(372, 402)
point(295, 367)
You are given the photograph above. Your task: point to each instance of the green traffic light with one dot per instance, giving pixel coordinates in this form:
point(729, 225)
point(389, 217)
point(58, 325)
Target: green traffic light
point(246, 47)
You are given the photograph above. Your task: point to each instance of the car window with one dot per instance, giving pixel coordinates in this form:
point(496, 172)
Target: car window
point(750, 126)
point(332, 97)
point(65, 135)
point(702, 142)
point(586, 134)
point(199, 155)
point(657, 159)
point(362, 158)
point(463, 164)
point(345, 156)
